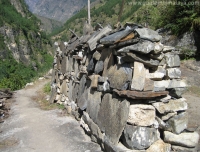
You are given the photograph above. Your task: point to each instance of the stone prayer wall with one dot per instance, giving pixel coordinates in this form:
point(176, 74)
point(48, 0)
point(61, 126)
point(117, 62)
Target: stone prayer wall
point(125, 87)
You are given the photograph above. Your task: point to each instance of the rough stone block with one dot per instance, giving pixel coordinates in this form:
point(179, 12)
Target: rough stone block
point(136, 137)
point(112, 117)
point(172, 60)
point(189, 140)
point(139, 76)
point(141, 115)
point(159, 146)
point(173, 73)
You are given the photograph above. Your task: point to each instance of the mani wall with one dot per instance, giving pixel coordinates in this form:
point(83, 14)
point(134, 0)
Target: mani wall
point(125, 87)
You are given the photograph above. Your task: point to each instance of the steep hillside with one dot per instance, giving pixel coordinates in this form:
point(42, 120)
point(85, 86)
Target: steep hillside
point(58, 10)
point(48, 25)
point(23, 47)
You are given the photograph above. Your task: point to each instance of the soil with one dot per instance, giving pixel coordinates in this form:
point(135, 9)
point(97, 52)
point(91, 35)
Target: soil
point(32, 129)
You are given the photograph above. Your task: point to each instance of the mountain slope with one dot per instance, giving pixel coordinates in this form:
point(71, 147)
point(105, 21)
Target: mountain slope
point(23, 47)
point(58, 10)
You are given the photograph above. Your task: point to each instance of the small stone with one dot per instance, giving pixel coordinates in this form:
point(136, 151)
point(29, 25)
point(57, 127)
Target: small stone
point(102, 79)
point(94, 79)
point(149, 85)
point(168, 115)
point(171, 106)
point(136, 137)
point(178, 122)
point(158, 48)
point(96, 55)
point(139, 75)
point(189, 140)
point(104, 87)
point(172, 60)
point(99, 67)
point(173, 73)
point(141, 115)
point(159, 146)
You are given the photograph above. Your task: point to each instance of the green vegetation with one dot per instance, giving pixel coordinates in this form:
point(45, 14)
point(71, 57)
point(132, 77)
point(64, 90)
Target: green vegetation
point(47, 88)
point(26, 32)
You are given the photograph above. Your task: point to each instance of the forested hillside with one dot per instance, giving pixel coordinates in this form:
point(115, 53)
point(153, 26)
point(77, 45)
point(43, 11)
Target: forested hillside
point(24, 48)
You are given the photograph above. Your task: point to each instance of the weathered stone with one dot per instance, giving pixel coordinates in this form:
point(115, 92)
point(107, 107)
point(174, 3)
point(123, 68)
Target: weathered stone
point(126, 38)
point(172, 60)
point(96, 132)
point(165, 99)
point(178, 123)
point(158, 48)
point(99, 67)
point(184, 139)
point(112, 117)
point(168, 48)
point(96, 55)
point(157, 75)
point(157, 56)
point(140, 95)
point(159, 146)
point(171, 106)
point(91, 65)
point(104, 87)
point(174, 73)
point(64, 88)
point(168, 115)
point(75, 92)
point(115, 37)
point(93, 105)
point(143, 47)
point(63, 65)
point(183, 149)
point(170, 84)
point(82, 86)
point(71, 86)
point(53, 95)
point(149, 85)
point(125, 43)
point(141, 115)
point(177, 92)
point(102, 79)
point(92, 42)
point(83, 99)
point(131, 57)
point(139, 75)
point(94, 81)
point(124, 72)
point(149, 34)
point(136, 137)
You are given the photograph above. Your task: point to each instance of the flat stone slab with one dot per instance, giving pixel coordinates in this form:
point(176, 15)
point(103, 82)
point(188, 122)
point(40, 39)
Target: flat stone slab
point(171, 106)
point(189, 140)
point(112, 117)
point(141, 115)
point(140, 95)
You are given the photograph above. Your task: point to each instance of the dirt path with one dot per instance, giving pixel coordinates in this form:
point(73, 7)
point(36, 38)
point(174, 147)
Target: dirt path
point(30, 129)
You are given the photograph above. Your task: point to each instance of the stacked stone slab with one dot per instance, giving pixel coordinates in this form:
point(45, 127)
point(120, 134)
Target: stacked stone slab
point(126, 87)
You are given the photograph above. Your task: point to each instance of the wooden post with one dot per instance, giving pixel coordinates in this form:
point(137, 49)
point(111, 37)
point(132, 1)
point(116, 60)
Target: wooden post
point(89, 20)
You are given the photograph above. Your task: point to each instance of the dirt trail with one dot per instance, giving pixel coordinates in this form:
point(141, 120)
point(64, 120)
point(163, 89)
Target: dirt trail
point(30, 129)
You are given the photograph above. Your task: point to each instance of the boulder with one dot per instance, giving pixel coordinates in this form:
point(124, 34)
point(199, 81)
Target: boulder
point(178, 122)
point(189, 140)
point(124, 72)
point(139, 76)
point(171, 106)
point(112, 117)
point(159, 146)
point(141, 115)
point(136, 137)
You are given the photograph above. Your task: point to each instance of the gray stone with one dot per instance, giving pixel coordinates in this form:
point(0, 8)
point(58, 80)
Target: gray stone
point(64, 88)
point(177, 92)
point(189, 140)
point(64, 65)
point(172, 60)
point(173, 73)
point(71, 86)
point(92, 42)
point(115, 37)
point(149, 85)
point(102, 79)
point(112, 117)
point(124, 72)
point(170, 84)
point(183, 149)
point(82, 85)
point(158, 48)
point(157, 75)
point(99, 67)
point(143, 47)
point(136, 137)
point(104, 87)
point(178, 123)
point(157, 56)
point(141, 115)
point(139, 75)
point(171, 106)
point(168, 48)
point(75, 92)
point(91, 66)
point(95, 131)
point(149, 34)
point(53, 95)
point(93, 105)
point(159, 146)
point(131, 57)
point(83, 99)
point(168, 115)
